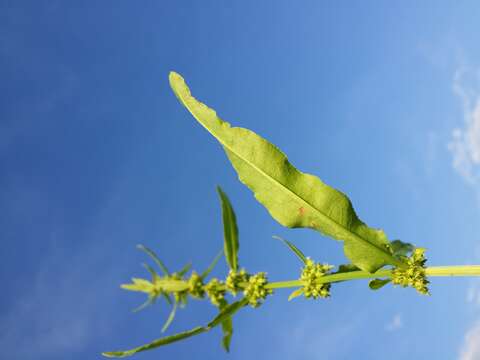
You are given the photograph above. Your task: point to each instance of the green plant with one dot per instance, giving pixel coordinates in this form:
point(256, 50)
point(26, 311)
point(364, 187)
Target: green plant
point(295, 200)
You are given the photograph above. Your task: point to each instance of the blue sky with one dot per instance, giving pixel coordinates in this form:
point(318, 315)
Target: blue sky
point(381, 101)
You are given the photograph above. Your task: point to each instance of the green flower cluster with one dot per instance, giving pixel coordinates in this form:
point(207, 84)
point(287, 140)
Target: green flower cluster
point(255, 291)
point(310, 275)
point(234, 279)
point(215, 291)
point(414, 274)
point(195, 286)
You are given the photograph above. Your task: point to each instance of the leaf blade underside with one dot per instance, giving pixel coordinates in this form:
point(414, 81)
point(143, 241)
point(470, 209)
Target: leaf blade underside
point(293, 198)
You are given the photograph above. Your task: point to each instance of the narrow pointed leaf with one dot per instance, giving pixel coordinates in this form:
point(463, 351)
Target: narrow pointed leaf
point(293, 198)
point(212, 265)
point(224, 314)
point(167, 298)
point(170, 317)
point(227, 312)
point(150, 300)
point(295, 294)
point(185, 269)
point(152, 272)
point(230, 231)
point(376, 284)
point(227, 329)
point(155, 258)
point(159, 342)
point(292, 247)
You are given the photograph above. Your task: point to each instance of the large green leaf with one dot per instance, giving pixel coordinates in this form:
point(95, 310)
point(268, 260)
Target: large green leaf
point(230, 231)
point(293, 198)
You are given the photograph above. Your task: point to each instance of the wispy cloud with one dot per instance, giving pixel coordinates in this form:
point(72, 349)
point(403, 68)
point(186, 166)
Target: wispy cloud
point(56, 314)
point(465, 142)
point(473, 293)
point(470, 349)
point(395, 323)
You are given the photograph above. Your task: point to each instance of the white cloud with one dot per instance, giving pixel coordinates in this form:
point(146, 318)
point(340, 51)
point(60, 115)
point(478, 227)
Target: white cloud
point(470, 349)
point(465, 143)
point(395, 323)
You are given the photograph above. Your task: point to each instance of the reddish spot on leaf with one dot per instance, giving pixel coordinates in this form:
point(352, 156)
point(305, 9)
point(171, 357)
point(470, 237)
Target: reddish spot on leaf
point(301, 211)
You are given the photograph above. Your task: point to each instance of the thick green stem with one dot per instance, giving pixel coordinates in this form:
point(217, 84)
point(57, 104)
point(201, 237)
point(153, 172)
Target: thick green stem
point(462, 270)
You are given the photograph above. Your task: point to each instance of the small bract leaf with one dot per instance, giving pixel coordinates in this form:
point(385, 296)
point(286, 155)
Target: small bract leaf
point(346, 268)
point(150, 300)
point(141, 285)
point(376, 284)
point(167, 297)
point(212, 265)
point(155, 258)
point(293, 198)
point(152, 272)
point(230, 231)
point(185, 269)
point(292, 247)
point(400, 248)
point(295, 294)
point(170, 317)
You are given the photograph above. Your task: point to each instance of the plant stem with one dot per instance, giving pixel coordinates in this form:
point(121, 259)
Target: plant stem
point(462, 270)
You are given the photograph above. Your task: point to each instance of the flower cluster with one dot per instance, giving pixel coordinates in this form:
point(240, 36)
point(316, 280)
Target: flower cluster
point(216, 291)
point(311, 273)
point(256, 291)
point(195, 286)
point(414, 274)
point(234, 279)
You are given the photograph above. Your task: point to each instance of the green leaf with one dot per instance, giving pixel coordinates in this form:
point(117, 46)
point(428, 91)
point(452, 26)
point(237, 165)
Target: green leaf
point(400, 248)
point(170, 317)
point(141, 285)
point(224, 314)
point(227, 329)
point(157, 343)
point(227, 312)
point(185, 269)
point(293, 198)
point(152, 272)
point(295, 294)
point(230, 231)
point(212, 265)
point(150, 300)
point(155, 258)
point(376, 284)
point(292, 247)
point(167, 297)
point(346, 268)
